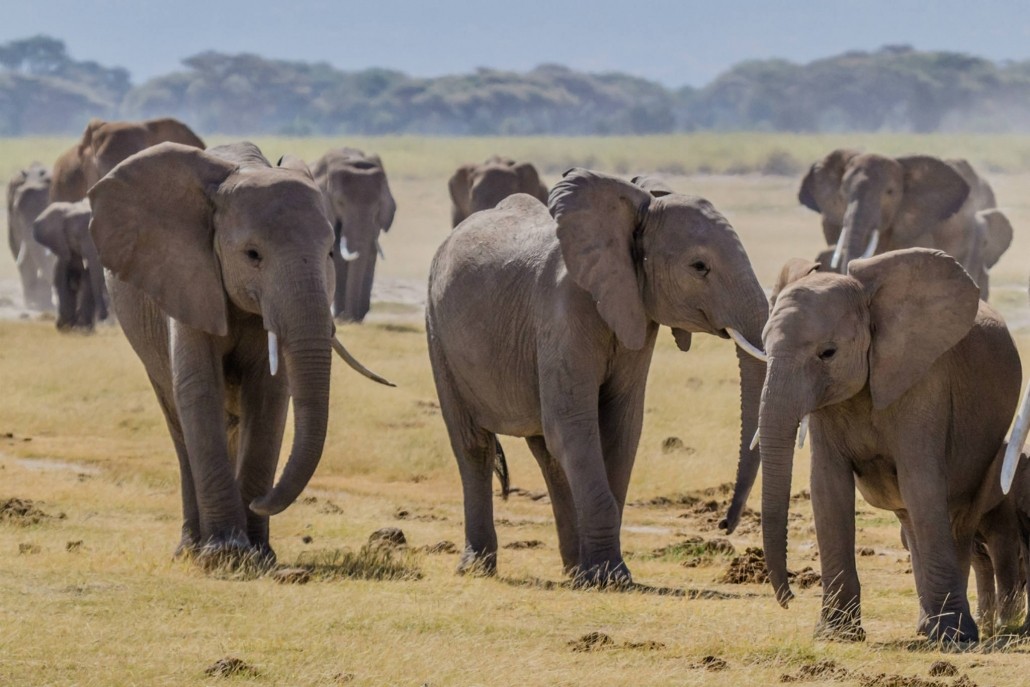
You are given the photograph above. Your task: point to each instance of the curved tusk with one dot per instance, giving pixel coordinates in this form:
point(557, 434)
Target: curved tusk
point(746, 345)
point(23, 252)
point(802, 432)
point(273, 353)
point(379, 249)
point(1016, 441)
point(344, 253)
point(353, 362)
point(754, 441)
point(835, 260)
point(873, 241)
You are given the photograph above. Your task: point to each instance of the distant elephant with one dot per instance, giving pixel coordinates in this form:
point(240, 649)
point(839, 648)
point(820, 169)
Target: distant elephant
point(871, 204)
point(481, 187)
point(216, 258)
point(544, 328)
point(103, 145)
point(27, 195)
point(909, 380)
point(360, 205)
point(78, 276)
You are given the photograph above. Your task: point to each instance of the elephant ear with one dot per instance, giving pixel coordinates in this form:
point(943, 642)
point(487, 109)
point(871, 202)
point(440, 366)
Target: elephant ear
point(458, 185)
point(934, 191)
point(153, 227)
point(48, 230)
point(995, 235)
point(296, 164)
point(172, 130)
point(653, 185)
point(529, 179)
point(921, 303)
point(683, 339)
point(597, 216)
point(820, 189)
point(387, 206)
point(794, 269)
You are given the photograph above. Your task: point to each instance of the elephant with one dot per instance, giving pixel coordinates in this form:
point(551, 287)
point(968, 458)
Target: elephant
point(871, 204)
point(216, 260)
point(481, 187)
point(27, 195)
point(909, 381)
point(78, 276)
point(103, 145)
point(541, 323)
point(360, 205)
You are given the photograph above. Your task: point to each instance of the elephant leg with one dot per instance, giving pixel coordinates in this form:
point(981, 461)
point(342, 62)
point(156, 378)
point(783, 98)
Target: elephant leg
point(66, 297)
point(908, 541)
point(1000, 529)
point(620, 420)
point(86, 307)
point(190, 540)
point(986, 592)
point(833, 504)
point(562, 503)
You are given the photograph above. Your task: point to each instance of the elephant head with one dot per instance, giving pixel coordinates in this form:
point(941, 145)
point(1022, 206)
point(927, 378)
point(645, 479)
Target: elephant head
point(830, 337)
point(481, 187)
point(360, 205)
point(28, 193)
point(64, 229)
point(672, 259)
point(871, 203)
point(215, 236)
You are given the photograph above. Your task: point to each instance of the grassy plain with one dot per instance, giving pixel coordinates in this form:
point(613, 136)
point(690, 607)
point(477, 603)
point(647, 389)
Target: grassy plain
point(81, 435)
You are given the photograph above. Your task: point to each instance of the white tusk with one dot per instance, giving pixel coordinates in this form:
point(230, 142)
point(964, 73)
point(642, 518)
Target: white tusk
point(873, 241)
point(273, 353)
point(754, 441)
point(802, 432)
point(23, 252)
point(379, 249)
point(353, 362)
point(746, 345)
point(344, 253)
point(1016, 441)
point(835, 260)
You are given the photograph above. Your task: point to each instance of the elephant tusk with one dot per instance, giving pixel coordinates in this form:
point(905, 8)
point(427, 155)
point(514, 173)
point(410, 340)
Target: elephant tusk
point(344, 253)
point(835, 260)
point(802, 432)
point(873, 241)
point(273, 353)
point(746, 345)
point(23, 252)
point(379, 249)
point(1016, 441)
point(754, 441)
point(353, 362)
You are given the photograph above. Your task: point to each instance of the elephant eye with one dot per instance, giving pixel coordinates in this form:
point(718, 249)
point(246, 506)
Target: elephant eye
point(700, 267)
point(827, 353)
point(254, 256)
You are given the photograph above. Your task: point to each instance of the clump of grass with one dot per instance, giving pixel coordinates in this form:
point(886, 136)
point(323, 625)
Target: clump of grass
point(367, 563)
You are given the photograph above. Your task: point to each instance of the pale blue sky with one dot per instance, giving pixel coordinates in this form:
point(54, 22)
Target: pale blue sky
point(677, 43)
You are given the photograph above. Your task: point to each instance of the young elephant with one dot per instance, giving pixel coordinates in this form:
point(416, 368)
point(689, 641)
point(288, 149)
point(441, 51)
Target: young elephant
point(78, 275)
point(28, 194)
point(483, 186)
point(216, 258)
point(544, 328)
point(909, 381)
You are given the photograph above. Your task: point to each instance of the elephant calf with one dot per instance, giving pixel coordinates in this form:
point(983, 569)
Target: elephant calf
point(542, 325)
point(28, 194)
point(481, 187)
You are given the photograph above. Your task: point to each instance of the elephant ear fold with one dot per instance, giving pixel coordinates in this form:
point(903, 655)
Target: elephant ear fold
point(153, 228)
point(995, 235)
point(48, 230)
point(458, 185)
point(820, 189)
point(529, 179)
point(653, 185)
point(921, 303)
point(597, 216)
point(794, 269)
point(296, 164)
point(934, 191)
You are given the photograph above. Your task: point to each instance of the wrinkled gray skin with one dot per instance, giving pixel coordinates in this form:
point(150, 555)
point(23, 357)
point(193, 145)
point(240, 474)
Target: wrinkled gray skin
point(483, 186)
point(27, 195)
point(914, 201)
point(910, 382)
point(544, 328)
point(209, 252)
point(360, 205)
point(78, 276)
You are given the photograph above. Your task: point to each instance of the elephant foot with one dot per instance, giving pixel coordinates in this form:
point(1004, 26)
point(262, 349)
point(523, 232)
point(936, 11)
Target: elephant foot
point(232, 553)
point(477, 564)
point(607, 574)
point(839, 631)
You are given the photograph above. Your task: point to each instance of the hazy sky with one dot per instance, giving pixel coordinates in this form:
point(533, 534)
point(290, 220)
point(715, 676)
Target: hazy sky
point(684, 42)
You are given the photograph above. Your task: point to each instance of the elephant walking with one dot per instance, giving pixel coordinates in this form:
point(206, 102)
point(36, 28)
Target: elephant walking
point(544, 328)
point(78, 277)
point(360, 205)
point(481, 187)
point(27, 196)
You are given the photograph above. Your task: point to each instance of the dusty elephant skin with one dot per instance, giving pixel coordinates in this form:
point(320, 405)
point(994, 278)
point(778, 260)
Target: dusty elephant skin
point(78, 275)
point(910, 381)
point(359, 205)
point(871, 204)
point(481, 187)
point(28, 193)
point(220, 263)
point(544, 328)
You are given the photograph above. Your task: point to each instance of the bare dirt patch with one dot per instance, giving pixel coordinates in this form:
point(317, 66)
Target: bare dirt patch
point(22, 512)
point(525, 544)
point(230, 666)
point(749, 568)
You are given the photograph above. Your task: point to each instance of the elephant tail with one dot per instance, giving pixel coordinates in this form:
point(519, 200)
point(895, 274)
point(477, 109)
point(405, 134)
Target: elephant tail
point(501, 468)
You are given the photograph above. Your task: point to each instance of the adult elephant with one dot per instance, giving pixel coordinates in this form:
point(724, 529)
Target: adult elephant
point(78, 276)
point(481, 187)
point(910, 381)
point(216, 259)
point(360, 205)
point(27, 195)
point(871, 204)
point(103, 145)
point(544, 328)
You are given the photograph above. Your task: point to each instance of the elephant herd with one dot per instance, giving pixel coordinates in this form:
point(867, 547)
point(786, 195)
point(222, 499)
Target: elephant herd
point(544, 306)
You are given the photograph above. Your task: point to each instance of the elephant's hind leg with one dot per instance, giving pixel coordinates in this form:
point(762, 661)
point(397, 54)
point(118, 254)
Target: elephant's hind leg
point(561, 503)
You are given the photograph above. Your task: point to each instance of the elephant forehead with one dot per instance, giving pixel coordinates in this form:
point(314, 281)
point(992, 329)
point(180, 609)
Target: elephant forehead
point(277, 199)
point(819, 307)
point(691, 214)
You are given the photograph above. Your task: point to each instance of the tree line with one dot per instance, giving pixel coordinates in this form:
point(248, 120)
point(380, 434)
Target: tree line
point(896, 88)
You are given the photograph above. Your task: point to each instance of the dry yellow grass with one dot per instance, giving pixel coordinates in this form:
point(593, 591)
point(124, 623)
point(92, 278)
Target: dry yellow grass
point(88, 441)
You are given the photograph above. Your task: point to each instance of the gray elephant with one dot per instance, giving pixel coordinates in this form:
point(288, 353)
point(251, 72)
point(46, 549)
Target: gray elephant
point(481, 187)
point(78, 276)
point(544, 329)
point(216, 260)
point(871, 204)
point(360, 205)
point(28, 194)
point(909, 380)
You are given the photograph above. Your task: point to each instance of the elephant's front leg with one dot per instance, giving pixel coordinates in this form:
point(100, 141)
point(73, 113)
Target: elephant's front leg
point(621, 418)
point(833, 503)
point(64, 281)
point(562, 504)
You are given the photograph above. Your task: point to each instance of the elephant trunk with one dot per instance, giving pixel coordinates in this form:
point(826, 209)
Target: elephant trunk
point(358, 299)
point(860, 235)
point(306, 343)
